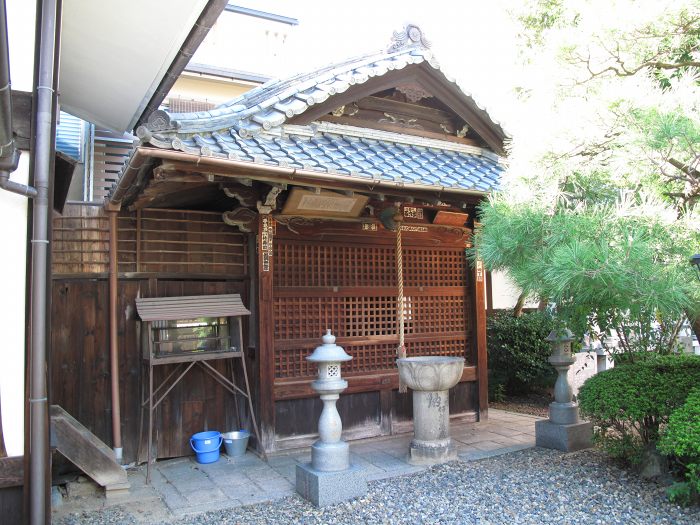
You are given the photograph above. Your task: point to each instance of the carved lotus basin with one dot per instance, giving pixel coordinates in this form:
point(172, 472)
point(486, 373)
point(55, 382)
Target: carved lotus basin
point(430, 373)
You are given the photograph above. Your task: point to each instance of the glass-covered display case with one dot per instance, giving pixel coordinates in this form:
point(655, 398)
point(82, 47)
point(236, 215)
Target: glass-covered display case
point(201, 334)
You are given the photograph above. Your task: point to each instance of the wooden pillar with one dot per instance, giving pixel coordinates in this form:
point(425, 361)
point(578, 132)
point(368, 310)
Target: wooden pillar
point(113, 212)
point(266, 351)
point(480, 334)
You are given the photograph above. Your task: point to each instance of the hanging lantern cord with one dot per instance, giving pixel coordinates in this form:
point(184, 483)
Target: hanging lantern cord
point(401, 349)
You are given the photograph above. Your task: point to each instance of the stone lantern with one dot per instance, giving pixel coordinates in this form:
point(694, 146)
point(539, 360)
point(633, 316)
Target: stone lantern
point(563, 430)
point(329, 478)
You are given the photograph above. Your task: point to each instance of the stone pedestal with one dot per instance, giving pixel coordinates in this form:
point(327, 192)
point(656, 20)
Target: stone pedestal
point(567, 438)
point(431, 428)
point(328, 488)
point(563, 430)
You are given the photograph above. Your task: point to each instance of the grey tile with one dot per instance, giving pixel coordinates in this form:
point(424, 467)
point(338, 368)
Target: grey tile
point(204, 495)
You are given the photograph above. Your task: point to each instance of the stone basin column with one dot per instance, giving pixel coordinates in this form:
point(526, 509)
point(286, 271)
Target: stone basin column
point(430, 378)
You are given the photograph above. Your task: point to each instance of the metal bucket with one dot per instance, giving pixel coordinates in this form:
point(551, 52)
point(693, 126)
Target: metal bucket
point(236, 442)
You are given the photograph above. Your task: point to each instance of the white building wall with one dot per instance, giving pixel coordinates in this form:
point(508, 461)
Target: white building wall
point(505, 292)
point(13, 232)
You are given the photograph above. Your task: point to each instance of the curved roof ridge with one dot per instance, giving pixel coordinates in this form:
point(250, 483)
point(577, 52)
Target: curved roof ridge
point(271, 105)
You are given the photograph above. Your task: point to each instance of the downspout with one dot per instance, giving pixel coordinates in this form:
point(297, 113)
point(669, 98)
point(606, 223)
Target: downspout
point(42, 153)
point(113, 212)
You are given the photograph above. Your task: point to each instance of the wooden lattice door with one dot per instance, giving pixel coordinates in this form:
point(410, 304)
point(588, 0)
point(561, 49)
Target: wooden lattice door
point(350, 287)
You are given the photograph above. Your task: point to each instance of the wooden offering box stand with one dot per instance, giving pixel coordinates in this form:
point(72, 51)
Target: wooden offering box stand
point(186, 332)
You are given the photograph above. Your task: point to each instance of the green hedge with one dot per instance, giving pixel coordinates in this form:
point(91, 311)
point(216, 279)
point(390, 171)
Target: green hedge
point(628, 404)
point(518, 352)
point(681, 439)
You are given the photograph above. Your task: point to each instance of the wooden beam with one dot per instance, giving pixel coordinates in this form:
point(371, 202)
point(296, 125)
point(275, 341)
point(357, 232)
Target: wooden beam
point(11, 472)
point(266, 347)
point(480, 334)
point(455, 199)
point(357, 92)
point(454, 98)
point(301, 388)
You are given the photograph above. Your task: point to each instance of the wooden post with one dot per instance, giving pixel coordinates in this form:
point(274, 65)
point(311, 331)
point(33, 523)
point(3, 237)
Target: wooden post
point(113, 212)
point(266, 351)
point(480, 326)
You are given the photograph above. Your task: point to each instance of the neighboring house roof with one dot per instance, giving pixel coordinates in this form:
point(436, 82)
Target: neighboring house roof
point(274, 125)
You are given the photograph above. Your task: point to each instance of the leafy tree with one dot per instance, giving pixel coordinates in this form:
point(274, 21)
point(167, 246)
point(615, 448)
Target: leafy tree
point(599, 208)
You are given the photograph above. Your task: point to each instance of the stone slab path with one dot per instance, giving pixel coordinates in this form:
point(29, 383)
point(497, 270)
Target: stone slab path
point(182, 487)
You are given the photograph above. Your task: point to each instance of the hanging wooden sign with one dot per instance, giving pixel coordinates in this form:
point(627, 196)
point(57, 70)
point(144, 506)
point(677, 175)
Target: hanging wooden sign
point(266, 242)
point(479, 271)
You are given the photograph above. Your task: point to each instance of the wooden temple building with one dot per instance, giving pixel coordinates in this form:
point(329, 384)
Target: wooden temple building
point(290, 196)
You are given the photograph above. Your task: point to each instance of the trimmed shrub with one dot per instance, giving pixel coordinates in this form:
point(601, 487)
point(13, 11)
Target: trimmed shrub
point(681, 439)
point(518, 352)
point(628, 404)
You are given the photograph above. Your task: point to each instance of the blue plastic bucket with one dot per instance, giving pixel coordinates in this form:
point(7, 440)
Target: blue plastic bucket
point(206, 446)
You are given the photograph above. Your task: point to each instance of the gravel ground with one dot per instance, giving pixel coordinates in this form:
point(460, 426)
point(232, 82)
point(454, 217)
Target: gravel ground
point(534, 486)
point(532, 404)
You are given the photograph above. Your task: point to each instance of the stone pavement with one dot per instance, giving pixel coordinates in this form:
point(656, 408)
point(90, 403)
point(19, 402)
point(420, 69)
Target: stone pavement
point(182, 486)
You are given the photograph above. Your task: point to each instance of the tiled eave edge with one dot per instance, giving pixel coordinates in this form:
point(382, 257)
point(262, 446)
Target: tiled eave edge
point(139, 159)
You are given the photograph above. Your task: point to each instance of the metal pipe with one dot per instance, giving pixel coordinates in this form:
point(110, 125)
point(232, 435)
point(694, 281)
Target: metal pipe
point(42, 153)
point(113, 338)
point(138, 158)
point(16, 187)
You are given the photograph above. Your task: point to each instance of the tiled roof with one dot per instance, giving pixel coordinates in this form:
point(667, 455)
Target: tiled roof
point(364, 154)
point(253, 128)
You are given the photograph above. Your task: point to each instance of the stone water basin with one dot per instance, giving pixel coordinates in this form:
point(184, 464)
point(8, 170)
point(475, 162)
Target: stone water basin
point(430, 373)
point(430, 378)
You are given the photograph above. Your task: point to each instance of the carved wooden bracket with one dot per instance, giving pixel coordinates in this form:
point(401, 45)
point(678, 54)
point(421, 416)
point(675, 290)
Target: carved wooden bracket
point(246, 196)
point(243, 218)
point(270, 203)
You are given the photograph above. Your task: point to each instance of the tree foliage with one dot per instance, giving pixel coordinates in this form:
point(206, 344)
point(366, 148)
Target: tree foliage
point(598, 211)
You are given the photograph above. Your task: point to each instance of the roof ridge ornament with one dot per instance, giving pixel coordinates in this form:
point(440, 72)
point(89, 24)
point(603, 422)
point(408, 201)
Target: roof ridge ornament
point(411, 36)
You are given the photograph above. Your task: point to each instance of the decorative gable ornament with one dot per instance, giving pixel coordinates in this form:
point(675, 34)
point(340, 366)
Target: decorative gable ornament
point(411, 36)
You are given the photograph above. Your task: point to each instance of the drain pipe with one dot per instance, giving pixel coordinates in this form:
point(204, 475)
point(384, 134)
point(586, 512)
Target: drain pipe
point(113, 212)
point(42, 151)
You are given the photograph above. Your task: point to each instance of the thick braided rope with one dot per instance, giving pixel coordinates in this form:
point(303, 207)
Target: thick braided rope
point(401, 350)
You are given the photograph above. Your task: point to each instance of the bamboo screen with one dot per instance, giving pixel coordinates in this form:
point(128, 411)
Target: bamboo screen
point(153, 240)
point(351, 289)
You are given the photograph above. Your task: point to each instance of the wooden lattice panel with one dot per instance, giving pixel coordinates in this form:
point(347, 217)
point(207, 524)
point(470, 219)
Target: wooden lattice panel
point(148, 241)
point(351, 289)
point(80, 240)
point(300, 264)
point(434, 267)
point(307, 317)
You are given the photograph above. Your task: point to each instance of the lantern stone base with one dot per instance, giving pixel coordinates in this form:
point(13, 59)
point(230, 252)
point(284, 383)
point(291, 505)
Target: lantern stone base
point(566, 438)
point(330, 456)
point(329, 488)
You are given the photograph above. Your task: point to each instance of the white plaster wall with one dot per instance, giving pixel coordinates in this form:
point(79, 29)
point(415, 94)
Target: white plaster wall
point(13, 232)
point(587, 365)
point(505, 292)
point(13, 218)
